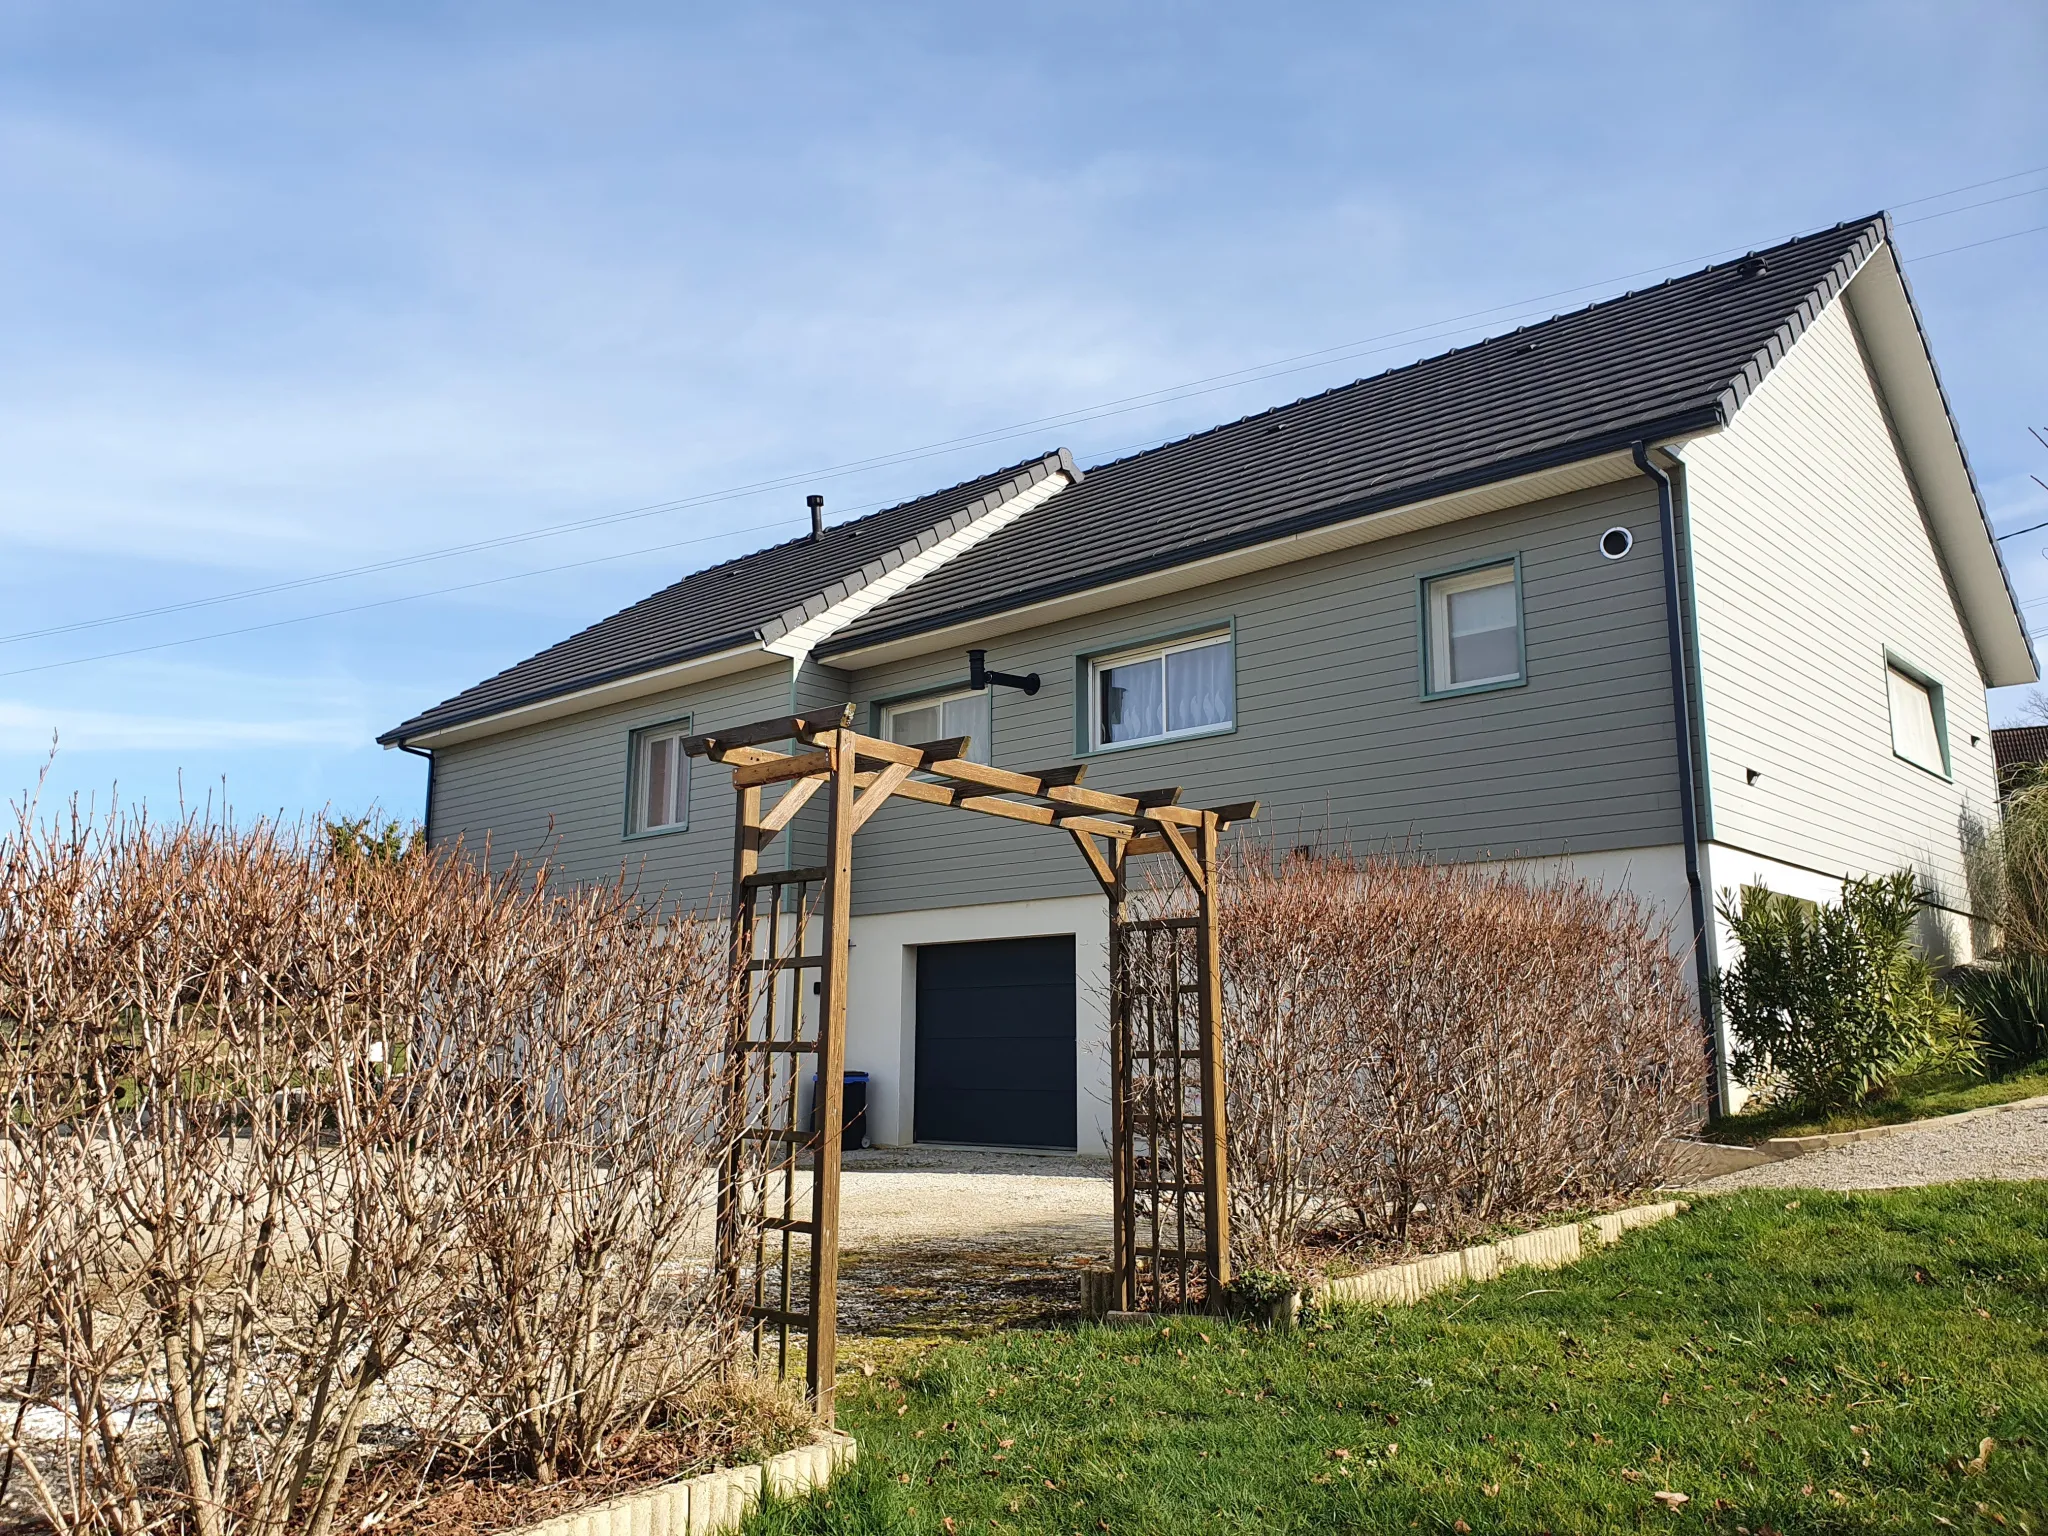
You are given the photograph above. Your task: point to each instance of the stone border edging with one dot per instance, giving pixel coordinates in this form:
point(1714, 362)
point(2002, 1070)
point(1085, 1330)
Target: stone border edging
point(712, 1503)
point(1405, 1284)
point(1545, 1248)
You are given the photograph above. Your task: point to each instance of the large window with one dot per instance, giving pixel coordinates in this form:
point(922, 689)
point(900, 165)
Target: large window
point(1919, 729)
point(1182, 688)
point(1473, 629)
point(965, 713)
point(658, 781)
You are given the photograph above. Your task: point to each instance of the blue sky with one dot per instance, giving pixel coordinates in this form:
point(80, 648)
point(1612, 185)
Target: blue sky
point(287, 290)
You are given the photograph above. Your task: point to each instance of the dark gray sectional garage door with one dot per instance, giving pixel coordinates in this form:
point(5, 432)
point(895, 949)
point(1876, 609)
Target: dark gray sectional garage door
point(995, 1042)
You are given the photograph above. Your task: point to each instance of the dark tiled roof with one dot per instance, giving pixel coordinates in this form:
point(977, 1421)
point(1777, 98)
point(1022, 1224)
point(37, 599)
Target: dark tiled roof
point(1666, 360)
point(2019, 746)
point(726, 605)
point(1663, 360)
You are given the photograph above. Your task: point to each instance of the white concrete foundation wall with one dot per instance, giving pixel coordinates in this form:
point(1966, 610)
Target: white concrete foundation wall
point(881, 1022)
point(1654, 875)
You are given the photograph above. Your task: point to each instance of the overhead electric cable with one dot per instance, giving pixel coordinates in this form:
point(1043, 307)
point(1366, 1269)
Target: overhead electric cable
point(1124, 405)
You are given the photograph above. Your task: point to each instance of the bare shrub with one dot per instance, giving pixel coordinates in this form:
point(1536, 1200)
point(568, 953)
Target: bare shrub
point(259, 1094)
point(587, 1070)
point(1430, 1048)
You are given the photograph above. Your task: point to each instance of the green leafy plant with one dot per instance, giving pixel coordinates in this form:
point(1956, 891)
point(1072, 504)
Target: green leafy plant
point(353, 842)
point(1831, 1004)
point(2009, 1005)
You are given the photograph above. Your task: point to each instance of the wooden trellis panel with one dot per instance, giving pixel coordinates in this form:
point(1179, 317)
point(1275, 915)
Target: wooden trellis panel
point(778, 1243)
point(1171, 1173)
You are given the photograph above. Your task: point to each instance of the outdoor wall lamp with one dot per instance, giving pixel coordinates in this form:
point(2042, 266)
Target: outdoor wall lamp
point(979, 676)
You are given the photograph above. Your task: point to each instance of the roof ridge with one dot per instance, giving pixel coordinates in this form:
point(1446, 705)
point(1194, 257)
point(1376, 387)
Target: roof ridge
point(1008, 470)
point(1472, 346)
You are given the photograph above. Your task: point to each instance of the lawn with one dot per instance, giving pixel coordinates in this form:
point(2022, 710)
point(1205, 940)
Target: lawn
point(1789, 1361)
point(1913, 1099)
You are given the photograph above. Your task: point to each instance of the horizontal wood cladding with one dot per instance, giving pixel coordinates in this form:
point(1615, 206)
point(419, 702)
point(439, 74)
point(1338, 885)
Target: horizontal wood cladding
point(1332, 734)
point(558, 790)
point(1813, 559)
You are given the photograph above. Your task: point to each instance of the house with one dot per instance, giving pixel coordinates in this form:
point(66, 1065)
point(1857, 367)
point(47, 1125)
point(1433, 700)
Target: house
point(1685, 590)
point(2019, 751)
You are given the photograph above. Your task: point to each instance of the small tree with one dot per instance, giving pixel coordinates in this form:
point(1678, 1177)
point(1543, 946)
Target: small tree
point(1831, 1003)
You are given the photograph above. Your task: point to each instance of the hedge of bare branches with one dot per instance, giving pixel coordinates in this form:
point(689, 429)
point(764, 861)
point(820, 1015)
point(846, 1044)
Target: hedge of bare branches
point(1419, 1050)
point(311, 1139)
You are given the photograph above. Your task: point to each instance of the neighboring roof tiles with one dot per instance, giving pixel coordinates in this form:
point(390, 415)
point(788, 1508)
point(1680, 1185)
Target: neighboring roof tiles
point(1667, 360)
point(2019, 746)
point(756, 599)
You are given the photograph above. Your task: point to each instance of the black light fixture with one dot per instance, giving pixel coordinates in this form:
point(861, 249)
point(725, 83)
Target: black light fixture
point(979, 676)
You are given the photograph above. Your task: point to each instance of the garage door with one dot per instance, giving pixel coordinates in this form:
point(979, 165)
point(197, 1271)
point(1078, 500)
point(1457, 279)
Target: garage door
point(995, 1042)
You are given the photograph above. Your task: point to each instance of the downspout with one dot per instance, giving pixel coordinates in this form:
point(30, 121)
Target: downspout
point(426, 821)
point(1688, 793)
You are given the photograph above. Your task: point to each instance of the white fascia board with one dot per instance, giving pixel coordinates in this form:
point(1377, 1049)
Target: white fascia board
point(1497, 496)
point(698, 669)
point(1906, 377)
point(797, 633)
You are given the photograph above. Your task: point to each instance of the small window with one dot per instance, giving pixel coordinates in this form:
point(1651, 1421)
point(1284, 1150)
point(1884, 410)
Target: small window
point(965, 713)
point(1186, 688)
point(1474, 623)
point(1918, 733)
point(659, 796)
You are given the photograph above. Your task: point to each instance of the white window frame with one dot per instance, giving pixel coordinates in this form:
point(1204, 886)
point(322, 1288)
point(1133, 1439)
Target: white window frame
point(1434, 603)
point(638, 743)
point(1159, 650)
point(980, 746)
point(1937, 707)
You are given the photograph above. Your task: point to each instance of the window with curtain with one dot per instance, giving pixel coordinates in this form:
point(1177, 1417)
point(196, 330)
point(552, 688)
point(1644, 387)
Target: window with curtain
point(1185, 688)
point(1474, 619)
point(965, 713)
point(1917, 722)
point(658, 793)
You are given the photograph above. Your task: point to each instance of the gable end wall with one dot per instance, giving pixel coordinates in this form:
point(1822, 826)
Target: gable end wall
point(1812, 558)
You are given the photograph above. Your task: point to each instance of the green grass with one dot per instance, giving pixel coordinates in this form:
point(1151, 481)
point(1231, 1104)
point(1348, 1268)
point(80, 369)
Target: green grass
point(1914, 1099)
point(1792, 1361)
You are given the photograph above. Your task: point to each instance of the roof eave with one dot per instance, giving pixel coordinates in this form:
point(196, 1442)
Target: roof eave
point(683, 667)
point(1889, 323)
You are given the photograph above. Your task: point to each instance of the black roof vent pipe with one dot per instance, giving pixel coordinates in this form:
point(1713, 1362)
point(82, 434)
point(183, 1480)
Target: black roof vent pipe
point(817, 505)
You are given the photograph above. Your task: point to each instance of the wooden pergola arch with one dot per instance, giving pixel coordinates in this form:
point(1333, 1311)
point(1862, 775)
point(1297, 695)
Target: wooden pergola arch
point(1171, 1179)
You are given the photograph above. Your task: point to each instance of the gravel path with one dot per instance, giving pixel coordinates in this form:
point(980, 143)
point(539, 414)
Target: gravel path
point(951, 1242)
point(2013, 1145)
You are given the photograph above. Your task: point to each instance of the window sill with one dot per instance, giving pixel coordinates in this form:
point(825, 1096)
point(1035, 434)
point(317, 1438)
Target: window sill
point(1114, 747)
point(1932, 773)
point(637, 837)
point(1467, 691)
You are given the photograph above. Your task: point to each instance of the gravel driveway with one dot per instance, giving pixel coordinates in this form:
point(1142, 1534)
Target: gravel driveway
point(941, 1241)
point(2013, 1145)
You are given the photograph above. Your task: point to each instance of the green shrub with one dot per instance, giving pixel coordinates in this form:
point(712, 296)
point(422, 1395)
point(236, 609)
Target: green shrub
point(1828, 1005)
point(2009, 1005)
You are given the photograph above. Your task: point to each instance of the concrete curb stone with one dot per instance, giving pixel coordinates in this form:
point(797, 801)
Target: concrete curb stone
point(714, 1502)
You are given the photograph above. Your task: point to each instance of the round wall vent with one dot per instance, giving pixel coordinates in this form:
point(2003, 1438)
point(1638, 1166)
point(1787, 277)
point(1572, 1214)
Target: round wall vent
point(1616, 542)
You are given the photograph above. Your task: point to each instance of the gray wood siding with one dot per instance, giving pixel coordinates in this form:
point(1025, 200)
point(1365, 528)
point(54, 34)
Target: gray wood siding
point(1332, 733)
point(1812, 559)
point(558, 790)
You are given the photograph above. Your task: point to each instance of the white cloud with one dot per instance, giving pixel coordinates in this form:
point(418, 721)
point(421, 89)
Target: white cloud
point(27, 728)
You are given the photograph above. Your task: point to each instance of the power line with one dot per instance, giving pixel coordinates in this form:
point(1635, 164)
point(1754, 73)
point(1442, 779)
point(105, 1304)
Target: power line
point(1966, 207)
point(1951, 250)
point(414, 597)
point(1124, 405)
point(1935, 197)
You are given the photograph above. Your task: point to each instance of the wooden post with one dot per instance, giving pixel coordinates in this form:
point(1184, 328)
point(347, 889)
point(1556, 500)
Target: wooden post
point(822, 1358)
point(1215, 1141)
point(1123, 1241)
